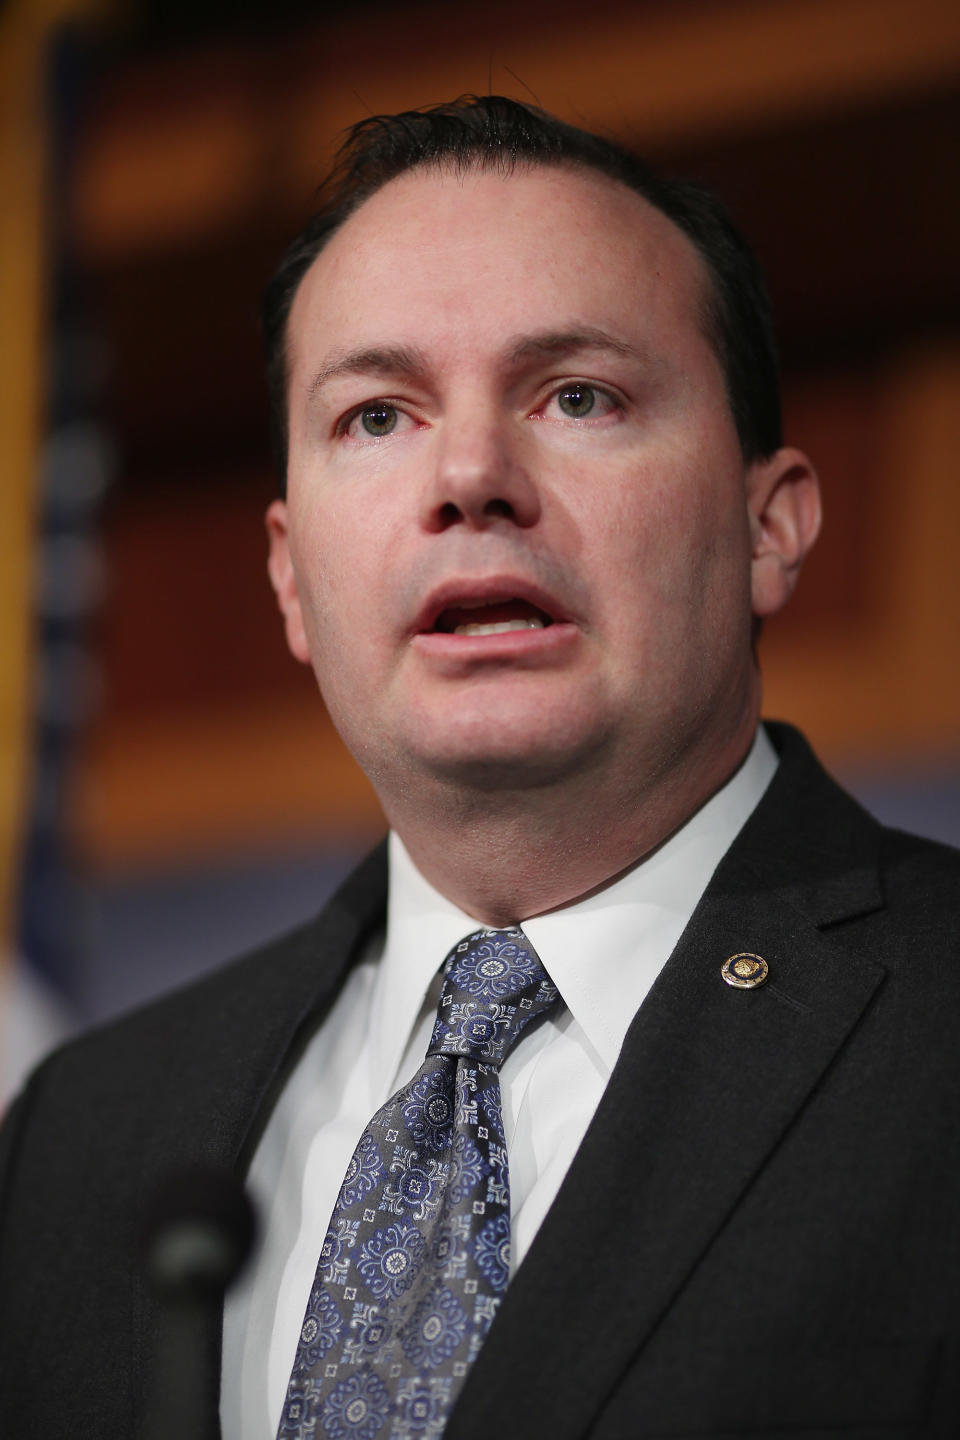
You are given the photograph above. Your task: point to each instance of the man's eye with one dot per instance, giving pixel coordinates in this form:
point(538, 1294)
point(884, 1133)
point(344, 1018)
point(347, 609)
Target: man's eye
point(378, 420)
point(577, 400)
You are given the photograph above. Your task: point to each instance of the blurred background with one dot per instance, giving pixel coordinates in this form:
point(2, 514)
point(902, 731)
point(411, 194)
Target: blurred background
point(171, 790)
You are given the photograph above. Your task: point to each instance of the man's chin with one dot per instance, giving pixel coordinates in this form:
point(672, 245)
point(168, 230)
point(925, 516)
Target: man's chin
point(505, 762)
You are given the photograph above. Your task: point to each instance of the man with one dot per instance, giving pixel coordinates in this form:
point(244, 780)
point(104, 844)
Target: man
point(537, 504)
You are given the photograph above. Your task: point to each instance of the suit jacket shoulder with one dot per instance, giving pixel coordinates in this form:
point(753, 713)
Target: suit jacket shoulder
point(763, 1211)
point(182, 1082)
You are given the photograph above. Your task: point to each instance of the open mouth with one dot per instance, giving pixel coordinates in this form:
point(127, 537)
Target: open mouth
point(491, 619)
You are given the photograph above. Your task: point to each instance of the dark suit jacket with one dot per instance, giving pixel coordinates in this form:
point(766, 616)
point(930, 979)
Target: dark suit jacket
point(760, 1233)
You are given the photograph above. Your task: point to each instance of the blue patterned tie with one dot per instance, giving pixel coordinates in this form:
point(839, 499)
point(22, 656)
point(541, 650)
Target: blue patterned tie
point(417, 1257)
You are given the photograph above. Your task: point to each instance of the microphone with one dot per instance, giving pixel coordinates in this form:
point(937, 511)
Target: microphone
point(197, 1232)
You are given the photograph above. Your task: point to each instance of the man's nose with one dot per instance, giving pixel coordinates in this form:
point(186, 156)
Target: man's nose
point(479, 477)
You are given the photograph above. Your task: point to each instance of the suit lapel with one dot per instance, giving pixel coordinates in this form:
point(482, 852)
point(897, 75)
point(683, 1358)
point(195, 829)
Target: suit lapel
point(239, 1037)
point(709, 1079)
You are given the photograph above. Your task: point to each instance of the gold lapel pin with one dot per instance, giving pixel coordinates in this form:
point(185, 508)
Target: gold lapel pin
point(745, 971)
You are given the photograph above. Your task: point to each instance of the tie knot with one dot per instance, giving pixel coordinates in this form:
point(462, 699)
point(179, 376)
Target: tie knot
point(494, 984)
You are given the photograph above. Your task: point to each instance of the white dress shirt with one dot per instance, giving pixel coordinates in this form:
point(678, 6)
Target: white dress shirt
point(603, 954)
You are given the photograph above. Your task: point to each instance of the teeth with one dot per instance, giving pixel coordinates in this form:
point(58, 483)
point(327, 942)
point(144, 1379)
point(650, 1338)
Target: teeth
point(499, 627)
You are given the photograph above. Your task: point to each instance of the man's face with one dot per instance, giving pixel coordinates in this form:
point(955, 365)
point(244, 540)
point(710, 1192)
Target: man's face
point(517, 538)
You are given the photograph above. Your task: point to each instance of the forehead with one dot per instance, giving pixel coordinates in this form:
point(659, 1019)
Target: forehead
point(460, 260)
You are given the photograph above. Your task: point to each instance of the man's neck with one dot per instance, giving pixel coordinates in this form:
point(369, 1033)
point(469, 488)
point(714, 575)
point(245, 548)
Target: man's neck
point(505, 856)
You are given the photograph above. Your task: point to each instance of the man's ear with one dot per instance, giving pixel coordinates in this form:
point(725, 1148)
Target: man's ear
point(783, 503)
point(284, 581)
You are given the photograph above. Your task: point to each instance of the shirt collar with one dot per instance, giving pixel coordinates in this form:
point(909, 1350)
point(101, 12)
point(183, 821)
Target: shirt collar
point(603, 953)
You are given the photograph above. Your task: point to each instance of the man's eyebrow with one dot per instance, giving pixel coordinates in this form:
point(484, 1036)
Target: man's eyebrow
point(375, 360)
point(555, 344)
point(388, 360)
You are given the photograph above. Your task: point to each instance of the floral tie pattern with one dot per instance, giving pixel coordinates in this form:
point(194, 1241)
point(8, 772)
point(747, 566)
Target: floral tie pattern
point(417, 1256)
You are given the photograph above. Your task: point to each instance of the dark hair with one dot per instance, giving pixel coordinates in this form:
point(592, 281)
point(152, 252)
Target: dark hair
point(492, 132)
